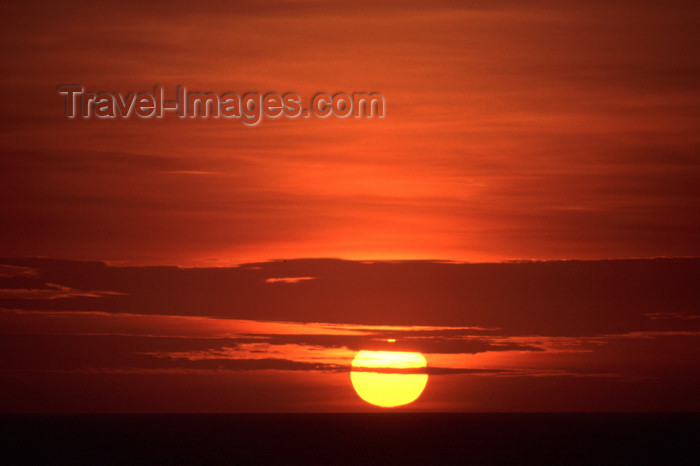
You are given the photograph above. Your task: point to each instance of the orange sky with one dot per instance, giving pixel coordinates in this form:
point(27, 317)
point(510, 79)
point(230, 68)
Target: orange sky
point(553, 130)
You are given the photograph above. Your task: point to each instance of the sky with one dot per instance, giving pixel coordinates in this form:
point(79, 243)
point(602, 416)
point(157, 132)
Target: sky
point(525, 213)
point(546, 131)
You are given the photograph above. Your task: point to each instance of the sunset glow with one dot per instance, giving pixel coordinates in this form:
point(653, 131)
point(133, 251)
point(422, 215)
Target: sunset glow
point(244, 207)
point(350, 232)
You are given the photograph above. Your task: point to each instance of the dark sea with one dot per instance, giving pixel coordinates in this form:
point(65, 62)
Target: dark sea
point(381, 438)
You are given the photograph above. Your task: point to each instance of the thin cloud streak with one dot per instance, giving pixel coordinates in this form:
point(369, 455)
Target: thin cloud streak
point(54, 291)
point(238, 345)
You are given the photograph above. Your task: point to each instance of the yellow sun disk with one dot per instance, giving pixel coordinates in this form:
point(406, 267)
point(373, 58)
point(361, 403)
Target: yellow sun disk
point(388, 389)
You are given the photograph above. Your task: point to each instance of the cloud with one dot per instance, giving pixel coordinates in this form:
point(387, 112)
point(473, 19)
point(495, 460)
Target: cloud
point(53, 291)
point(553, 299)
point(481, 327)
point(671, 315)
point(288, 279)
point(12, 271)
point(190, 172)
point(21, 321)
point(185, 340)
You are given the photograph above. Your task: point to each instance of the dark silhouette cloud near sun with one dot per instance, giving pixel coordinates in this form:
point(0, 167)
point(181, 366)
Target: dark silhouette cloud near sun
point(634, 322)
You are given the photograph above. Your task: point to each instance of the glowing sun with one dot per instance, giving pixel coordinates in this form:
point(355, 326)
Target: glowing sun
point(387, 386)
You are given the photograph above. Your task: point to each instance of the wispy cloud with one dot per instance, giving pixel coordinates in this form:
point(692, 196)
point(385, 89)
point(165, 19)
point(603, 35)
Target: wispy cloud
point(202, 343)
point(53, 291)
point(671, 315)
point(288, 279)
point(8, 271)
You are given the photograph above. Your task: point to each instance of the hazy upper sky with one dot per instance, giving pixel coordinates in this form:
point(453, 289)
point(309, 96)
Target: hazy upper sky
point(547, 130)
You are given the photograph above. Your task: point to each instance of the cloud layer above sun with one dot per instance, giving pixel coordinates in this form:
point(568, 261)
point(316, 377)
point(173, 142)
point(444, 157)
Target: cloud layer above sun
point(601, 328)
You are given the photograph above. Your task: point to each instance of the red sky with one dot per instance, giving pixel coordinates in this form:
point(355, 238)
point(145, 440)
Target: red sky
point(548, 131)
point(553, 130)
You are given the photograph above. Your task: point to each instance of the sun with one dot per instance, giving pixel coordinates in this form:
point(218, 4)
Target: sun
point(380, 378)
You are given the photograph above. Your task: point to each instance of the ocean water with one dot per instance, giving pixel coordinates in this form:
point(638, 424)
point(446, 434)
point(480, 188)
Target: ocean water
point(377, 438)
